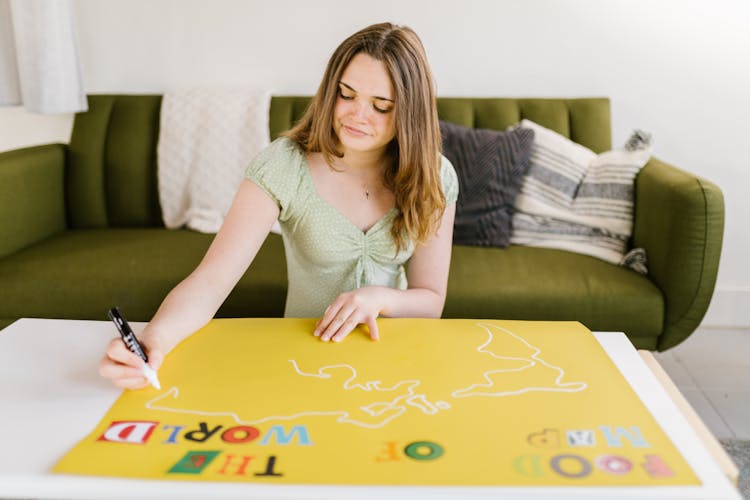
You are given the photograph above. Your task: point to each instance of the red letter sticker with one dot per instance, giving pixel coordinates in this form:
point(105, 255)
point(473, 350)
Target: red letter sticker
point(132, 432)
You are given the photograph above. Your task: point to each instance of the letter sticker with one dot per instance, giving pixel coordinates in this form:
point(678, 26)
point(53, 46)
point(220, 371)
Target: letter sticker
point(528, 465)
point(172, 439)
point(283, 438)
point(423, 450)
point(656, 467)
point(240, 471)
point(202, 434)
point(240, 434)
point(132, 432)
point(548, 438)
point(580, 438)
point(270, 465)
point(584, 466)
point(389, 453)
point(193, 462)
point(614, 464)
point(614, 438)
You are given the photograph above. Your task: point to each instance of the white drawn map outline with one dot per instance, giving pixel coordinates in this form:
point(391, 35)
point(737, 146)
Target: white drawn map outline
point(417, 400)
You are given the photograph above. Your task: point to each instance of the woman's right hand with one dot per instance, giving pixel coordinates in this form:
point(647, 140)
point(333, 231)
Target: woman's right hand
point(192, 303)
point(124, 368)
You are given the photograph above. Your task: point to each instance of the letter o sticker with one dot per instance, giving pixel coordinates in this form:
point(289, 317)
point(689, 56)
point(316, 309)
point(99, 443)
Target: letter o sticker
point(614, 464)
point(554, 463)
point(423, 450)
point(246, 434)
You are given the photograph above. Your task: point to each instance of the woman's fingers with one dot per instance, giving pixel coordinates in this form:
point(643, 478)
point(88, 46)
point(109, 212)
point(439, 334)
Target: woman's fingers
point(347, 311)
point(323, 323)
point(118, 353)
point(341, 320)
point(372, 325)
point(349, 324)
point(131, 383)
point(329, 316)
point(155, 358)
point(124, 368)
point(111, 370)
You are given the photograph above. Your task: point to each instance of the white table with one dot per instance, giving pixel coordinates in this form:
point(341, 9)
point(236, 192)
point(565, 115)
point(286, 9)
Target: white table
point(51, 397)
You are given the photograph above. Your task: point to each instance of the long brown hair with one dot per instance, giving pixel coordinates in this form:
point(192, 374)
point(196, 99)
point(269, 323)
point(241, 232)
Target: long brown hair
point(414, 176)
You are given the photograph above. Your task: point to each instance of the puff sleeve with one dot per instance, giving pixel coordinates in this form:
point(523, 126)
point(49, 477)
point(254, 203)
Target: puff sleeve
point(449, 180)
point(277, 171)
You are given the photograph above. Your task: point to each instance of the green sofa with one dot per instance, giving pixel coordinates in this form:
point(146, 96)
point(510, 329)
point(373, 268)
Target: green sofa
point(81, 231)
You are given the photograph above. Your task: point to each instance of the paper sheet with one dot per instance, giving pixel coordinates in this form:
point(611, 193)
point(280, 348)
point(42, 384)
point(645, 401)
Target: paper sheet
point(434, 402)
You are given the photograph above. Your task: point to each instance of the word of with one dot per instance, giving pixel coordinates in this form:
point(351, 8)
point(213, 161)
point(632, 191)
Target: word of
point(417, 450)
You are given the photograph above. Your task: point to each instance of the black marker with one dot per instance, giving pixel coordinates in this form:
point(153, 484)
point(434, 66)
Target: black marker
point(131, 342)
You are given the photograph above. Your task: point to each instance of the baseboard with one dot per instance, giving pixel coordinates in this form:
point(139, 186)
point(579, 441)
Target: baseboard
point(729, 308)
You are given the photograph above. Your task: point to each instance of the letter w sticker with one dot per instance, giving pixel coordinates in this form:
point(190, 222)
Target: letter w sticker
point(283, 438)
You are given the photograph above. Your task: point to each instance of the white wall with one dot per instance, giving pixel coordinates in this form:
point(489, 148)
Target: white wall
point(678, 68)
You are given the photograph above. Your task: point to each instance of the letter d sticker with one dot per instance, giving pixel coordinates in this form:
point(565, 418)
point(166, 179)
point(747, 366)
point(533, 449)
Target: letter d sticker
point(132, 432)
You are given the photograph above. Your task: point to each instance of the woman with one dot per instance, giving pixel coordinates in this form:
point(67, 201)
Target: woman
point(359, 187)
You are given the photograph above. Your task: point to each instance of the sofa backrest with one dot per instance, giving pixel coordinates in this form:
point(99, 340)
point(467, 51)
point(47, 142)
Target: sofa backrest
point(111, 175)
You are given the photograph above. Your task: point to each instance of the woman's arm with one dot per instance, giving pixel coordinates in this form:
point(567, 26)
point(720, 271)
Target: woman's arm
point(427, 275)
point(195, 300)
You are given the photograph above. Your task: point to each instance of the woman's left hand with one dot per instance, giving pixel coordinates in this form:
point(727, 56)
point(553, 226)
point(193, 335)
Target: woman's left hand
point(362, 305)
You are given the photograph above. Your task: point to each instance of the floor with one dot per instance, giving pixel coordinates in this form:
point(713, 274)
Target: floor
point(712, 369)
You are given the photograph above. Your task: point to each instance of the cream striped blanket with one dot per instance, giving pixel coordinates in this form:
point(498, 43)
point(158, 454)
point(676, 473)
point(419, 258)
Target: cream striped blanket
point(574, 199)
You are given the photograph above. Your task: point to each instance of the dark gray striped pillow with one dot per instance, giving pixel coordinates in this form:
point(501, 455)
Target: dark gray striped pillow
point(490, 165)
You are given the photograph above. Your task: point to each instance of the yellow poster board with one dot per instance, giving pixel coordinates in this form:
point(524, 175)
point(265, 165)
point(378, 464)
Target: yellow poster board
point(434, 402)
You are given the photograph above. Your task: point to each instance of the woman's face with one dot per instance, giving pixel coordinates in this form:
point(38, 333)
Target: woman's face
point(364, 116)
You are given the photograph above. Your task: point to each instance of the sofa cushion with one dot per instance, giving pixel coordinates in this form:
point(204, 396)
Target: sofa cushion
point(574, 199)
point(490, 166)
point(585, 121)
point(521, 282)
point(79, 274)
point(111, 165)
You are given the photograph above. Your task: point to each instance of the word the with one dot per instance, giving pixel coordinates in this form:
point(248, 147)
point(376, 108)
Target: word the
point(196, 462)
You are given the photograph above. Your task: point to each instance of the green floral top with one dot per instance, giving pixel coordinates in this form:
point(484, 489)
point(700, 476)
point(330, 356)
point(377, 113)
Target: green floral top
point(326, 253)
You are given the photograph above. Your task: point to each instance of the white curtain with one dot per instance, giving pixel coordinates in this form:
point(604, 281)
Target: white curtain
point(39, 65)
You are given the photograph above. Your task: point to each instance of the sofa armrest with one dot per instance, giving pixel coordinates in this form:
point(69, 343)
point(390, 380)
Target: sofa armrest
point(32, 202)
point(679, 220)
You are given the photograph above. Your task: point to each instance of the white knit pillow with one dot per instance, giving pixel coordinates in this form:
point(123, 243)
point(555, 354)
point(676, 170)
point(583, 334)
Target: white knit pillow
point(573, 199)
point(207, 138)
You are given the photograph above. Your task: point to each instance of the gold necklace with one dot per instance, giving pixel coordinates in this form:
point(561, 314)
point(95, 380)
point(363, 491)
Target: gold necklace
point(345, 167)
